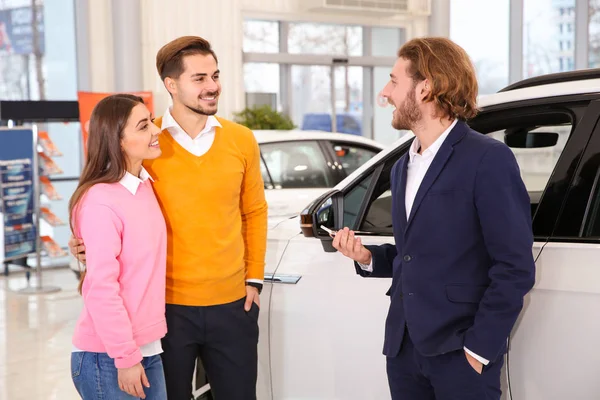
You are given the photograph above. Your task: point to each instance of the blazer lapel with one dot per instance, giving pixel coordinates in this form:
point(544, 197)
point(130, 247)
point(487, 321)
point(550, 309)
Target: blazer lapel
point(400, 192)
point(436, 167)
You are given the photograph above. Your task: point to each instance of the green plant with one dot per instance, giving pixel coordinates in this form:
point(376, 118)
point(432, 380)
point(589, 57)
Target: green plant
point(263, 117)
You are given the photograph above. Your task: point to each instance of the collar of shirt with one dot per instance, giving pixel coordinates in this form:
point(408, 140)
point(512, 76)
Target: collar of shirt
point(435, 146)
point(131, 182)
point(168, 122)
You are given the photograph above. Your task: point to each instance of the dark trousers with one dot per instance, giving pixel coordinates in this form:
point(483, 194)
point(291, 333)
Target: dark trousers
point(225, 337)
point(445, 377)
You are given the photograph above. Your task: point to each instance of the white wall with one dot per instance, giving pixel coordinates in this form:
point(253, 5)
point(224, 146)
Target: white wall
point(220, 22)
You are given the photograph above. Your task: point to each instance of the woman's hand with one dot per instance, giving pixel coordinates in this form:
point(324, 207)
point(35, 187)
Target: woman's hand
point(132, 379)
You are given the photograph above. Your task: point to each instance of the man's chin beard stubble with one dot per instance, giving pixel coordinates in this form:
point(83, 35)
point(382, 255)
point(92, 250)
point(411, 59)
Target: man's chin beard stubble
point(201, 111)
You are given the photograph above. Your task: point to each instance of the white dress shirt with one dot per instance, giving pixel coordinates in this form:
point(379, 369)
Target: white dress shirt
point(418, 164)
point(132, 183)
point(201, 143)
point(197, 146)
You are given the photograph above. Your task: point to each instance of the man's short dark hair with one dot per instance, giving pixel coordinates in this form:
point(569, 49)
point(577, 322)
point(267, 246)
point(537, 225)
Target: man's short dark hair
point(169, 59)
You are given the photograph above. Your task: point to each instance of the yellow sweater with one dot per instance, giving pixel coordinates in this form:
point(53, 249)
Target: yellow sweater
point(216, 215)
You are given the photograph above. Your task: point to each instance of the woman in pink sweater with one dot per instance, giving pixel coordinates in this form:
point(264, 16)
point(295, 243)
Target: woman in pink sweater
point(117, 346)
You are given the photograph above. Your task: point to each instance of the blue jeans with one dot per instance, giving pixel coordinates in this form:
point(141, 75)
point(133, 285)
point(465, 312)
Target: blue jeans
point(96, 377)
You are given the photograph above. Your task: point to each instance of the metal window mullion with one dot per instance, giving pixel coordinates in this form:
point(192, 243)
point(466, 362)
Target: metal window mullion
point(515, 44)
point(285, 71)
point(368, 94)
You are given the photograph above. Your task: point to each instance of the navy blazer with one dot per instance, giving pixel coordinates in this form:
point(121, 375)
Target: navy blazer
point(463, 259)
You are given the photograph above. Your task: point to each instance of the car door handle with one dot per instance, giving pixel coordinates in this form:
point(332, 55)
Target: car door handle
point(284, 279)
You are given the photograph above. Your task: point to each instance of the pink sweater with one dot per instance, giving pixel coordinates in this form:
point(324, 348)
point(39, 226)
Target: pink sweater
point(124, 289)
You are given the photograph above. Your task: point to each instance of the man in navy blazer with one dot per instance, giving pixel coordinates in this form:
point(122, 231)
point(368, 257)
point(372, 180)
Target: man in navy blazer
point(463, 259)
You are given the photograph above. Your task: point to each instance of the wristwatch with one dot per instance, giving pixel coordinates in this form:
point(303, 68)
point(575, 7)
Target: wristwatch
point(257, 285)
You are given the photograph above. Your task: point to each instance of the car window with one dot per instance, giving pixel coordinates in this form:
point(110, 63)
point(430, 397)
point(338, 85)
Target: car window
point(353, 201)
point(350, 156)
point(294, 165)
point(536, 162)
point(592, 229)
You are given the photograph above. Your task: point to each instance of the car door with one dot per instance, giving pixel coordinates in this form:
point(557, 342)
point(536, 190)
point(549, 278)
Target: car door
point(326, 323)
point(297, 172)
point(327, 326)
point(553, 348)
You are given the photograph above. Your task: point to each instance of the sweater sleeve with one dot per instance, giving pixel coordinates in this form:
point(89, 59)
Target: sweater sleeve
point(101, 229)
point(254, 216)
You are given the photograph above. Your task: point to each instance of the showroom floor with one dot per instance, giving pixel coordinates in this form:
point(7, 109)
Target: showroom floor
point(35, 338)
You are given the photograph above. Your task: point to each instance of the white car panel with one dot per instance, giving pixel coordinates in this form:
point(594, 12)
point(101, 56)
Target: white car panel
point(315, 311)
point(289, 202)
point(545, 362)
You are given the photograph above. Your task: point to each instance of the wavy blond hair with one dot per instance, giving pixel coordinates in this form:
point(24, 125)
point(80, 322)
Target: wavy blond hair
point(449, 71)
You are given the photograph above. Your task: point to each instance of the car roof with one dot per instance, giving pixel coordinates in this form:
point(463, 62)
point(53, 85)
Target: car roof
point(274, 136)
point(551, 85)
point(545, 88)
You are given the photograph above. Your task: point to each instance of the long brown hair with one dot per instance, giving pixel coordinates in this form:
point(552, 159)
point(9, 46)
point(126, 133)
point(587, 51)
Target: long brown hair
point(451, 73)
point(105, 162)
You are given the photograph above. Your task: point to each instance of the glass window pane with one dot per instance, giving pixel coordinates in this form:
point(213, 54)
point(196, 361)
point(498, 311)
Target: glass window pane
point(594, 32)
point(548, 36)
point(309, 38)
point(349, 100)
point(261, 36)
point(383, 132)
point(385, 42)
point(311, 97)
point(294, 165)
point(537, 164)
point(262, 85)
point(488, 51)
point(353, 201)
point(351, 157)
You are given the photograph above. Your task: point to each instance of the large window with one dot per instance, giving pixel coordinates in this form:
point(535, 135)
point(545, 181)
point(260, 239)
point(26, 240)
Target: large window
point(548, 36)
point(316, 73)
point(481, 28)
point(325, 39)
point(38, 62)
point(594, 33)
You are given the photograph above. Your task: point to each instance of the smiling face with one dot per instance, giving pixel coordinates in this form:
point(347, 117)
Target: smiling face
point(140, 136)
point(401, 92)
point(198, 88)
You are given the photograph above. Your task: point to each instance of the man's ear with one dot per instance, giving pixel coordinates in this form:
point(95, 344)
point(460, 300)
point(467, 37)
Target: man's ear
point(423, 89)
point(170, 85)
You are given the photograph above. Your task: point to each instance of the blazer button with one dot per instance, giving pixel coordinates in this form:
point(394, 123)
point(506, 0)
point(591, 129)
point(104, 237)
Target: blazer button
point(407, 258)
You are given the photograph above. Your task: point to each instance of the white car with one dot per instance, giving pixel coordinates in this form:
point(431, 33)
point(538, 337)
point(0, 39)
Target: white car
point(322, 326)
point(298, 166)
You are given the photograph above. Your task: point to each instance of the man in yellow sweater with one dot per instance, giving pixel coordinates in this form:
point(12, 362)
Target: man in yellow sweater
point(209, 185)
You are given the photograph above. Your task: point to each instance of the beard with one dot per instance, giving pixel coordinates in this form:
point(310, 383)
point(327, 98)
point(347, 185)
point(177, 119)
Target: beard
point(198, 109)
point(408, 114)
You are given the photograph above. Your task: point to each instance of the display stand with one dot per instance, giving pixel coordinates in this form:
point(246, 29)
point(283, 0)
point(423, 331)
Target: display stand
point(20, 200)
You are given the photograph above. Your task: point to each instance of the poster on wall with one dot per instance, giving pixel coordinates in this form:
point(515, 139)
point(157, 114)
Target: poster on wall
point(88, 100)
point(17, 193)
point(16, 30)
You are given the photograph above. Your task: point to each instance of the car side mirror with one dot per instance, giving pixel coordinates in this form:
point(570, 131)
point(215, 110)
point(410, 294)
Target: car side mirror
point(531, 140)
point(324, 211)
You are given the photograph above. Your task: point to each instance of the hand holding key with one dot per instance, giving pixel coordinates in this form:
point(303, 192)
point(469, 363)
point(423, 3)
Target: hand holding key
point(351, 246)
